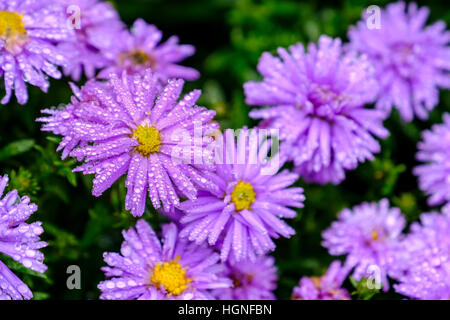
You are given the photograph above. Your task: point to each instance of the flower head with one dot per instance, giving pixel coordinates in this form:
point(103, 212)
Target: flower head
point(251, 280)
point(425, 259)
point(29, 34)
point(411, 60)
point(434, 151)
point(316, 100)
point(326, 287)
point(117, 127)
point(139, 50)
point(19, 240)
point(96, 24)
point(369, 234)
point(150, 269)
point(245, 213)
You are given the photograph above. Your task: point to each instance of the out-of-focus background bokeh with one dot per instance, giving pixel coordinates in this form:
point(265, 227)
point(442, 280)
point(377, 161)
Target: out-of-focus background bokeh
point(229, 36)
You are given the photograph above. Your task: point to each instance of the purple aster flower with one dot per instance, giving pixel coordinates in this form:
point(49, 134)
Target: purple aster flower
point(245, 213)
point(326, 287)
point(150, 269)
point(139, 50)
point(434, 151)
point(426, 259)
point(19, 240)
point(29, 32)
point(251, 280)
point(96, 24)
point(317, 100)
point(369, 235)
point(117, 127)
point(411, 60)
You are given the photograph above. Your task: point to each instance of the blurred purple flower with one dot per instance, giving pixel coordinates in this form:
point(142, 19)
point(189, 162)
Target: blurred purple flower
point(370, 235)
point(326, 287)
point(29, 34)
point(19, 240)
point(411, 60)
point(96, 27)
point(245, 213)
point(251, 280)
point(120, 128)
point(150, 269)
point(139, 50)
point(425, 259)
point(434, 151)
point(317, 100)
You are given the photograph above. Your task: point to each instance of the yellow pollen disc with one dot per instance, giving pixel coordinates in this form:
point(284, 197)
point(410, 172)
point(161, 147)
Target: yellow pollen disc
point(171, 276)
point(138, 58)
point(243, 195)
point(11, 24)
point(149, 140)
point(374, 235)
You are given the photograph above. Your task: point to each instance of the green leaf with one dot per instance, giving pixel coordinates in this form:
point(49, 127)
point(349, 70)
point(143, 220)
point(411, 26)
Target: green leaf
point(15, 148)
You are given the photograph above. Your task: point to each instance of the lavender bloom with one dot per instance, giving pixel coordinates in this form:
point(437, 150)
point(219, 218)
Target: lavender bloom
point(426, 259)
point(317, 100)
point(411, 60)
point(61, 119)
point(150, 269)
point(95, 28)
point(326, 287)
point(29, 32)
point(119, 128)
point(245, 213)
point(139, 50)
point(369, 235)
point(19, 240)
point(434, 174)
point(251, 280)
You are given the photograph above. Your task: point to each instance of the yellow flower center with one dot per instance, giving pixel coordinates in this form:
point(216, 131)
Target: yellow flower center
point(171, 276)
point(374, 235)
point(243, 195)
point(11, 24)
point(149, 140)
point(138, 58)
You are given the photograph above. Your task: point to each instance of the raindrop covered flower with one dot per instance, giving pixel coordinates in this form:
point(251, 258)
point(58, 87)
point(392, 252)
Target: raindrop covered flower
point(411, 60)
point(251, 280)
point(19, 240)
point(96, 24)
point(29, 34)
point(150, 269)
point(370, 235)
point(426, 258)
point(140, 49)
point(434, 173)
point(126, 126)
point(247, 210)
point(316, 100)
point(326, 287)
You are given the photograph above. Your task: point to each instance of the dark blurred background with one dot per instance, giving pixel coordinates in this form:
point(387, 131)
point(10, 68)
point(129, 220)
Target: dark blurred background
point(229, 36)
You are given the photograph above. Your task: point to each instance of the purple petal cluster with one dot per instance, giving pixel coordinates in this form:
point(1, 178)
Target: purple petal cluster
point(426, 259)
point(326, 287)
point(412, 60)
point(369, 234)
point(150, 269)
point(434, 173)
point(246, 211)
point(317, 100)
point(29, 34)
point(126, 125)
point(140, 49)
point(96, 24)
point(19, 240)
point(251, 280)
